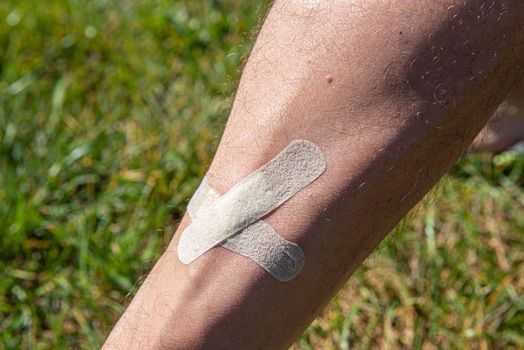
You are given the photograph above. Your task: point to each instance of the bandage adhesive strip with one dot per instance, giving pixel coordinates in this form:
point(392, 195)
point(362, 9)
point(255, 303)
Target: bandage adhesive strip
point(233, 219)
point(258, 242)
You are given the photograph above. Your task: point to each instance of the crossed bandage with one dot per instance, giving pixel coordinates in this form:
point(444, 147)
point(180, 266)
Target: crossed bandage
point(233, 220)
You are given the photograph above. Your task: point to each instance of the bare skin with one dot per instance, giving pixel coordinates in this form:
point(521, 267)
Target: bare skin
point(392, 92)
point(505, 128)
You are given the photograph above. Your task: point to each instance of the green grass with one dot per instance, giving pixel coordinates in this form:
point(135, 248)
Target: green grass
point(109, 115)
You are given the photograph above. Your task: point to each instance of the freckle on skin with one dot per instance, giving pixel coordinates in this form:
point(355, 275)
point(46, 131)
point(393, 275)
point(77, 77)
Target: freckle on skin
point(329, 79)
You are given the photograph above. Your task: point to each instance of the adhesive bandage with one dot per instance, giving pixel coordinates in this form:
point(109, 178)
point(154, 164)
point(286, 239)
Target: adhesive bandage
point(258, 242)
point(233, 219)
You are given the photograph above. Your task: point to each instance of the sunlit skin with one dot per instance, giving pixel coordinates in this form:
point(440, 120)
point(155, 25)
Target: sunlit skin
point(393, 92)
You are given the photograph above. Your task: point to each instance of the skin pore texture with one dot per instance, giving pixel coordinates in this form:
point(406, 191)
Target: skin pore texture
point(392, 92)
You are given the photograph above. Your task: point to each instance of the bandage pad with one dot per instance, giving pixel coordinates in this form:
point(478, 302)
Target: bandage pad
point(233, 219)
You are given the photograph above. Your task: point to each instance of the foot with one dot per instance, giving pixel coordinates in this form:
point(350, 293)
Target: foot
point(505, 129)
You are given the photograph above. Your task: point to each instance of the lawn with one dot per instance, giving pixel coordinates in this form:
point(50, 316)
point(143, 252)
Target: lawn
point(110, 112)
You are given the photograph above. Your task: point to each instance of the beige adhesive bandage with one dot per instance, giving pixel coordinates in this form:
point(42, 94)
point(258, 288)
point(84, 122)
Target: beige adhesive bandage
point(258, 242)
point(233, 219)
